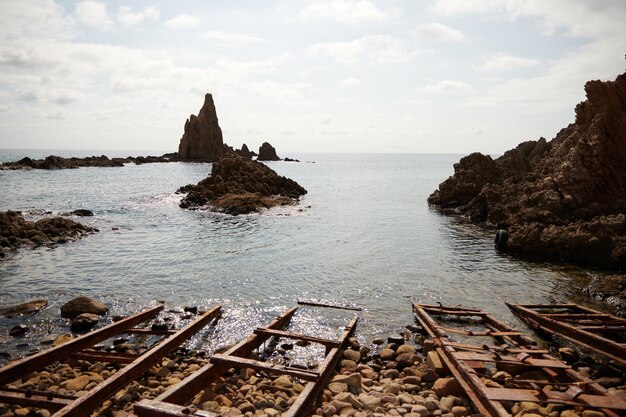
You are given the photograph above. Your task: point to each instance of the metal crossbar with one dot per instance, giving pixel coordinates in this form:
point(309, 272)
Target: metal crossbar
point(467, 362)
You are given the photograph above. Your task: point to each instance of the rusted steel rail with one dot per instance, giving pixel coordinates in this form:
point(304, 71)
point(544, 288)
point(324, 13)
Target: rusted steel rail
point(514, 352)
point(136, 365)
point(598, 332)
point(173, 402)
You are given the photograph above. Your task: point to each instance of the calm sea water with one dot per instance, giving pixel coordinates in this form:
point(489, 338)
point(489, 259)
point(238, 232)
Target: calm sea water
point(363, 235)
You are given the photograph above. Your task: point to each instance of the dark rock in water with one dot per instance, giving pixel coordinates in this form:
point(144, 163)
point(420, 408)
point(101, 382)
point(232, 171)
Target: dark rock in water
point(19, 330)
point(80, 305)
point(191, 309)
point(103, 161)
point(267, 153)
point(564, 199)
point(291, 160)
point(502, 236)
point(202, 140)
point(15, 231)
point(27, 307)
point(84, 322)
point(79, 212)
point(609, 288)
point(238, 186)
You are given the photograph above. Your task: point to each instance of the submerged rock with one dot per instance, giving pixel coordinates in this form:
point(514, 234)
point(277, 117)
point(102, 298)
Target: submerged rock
point(26, 307)
point(267, 153)
point(564, 199)
point(15, 231)
point(53, 162)
point(202, 140)
point(238, 186)
point(80, 305)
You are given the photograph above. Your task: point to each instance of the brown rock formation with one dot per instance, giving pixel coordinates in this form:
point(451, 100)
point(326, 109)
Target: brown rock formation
point(238, 186)
point(202, 140)
point(15, 231)
point(103, 161)
point(564, 199)
point(267, 153)
point(244, 151)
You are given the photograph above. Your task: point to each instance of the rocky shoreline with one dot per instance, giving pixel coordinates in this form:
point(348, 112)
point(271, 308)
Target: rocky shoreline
point(17, 232)
point(396, 376)
point(563, 199)
point(57, 162)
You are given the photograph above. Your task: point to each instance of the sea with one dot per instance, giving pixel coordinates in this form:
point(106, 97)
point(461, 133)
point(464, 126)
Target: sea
point(364, 236)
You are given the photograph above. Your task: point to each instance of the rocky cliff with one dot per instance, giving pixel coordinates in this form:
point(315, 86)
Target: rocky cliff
point(202, 139)
point(239, 185)
point(267, 153)
point(564, 199)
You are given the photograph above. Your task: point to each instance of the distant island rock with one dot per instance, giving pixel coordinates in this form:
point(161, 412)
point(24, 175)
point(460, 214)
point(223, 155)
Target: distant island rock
point(267, 153)
point(564, 199)
point(16, 231)
point(239, 185)
point(202, 139)
point(57, 162)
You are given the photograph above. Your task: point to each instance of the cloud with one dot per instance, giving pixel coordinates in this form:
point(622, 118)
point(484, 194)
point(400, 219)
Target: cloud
point(183, 21)
point(350, 82)
point(127, 17)
point(476, 130)
point(55, 115)
point(347, 11)
point(232, 38)
point(503, 62)
point(281, 92)
point(92, 13)
point(326, 120)
point(448, 86)
point(376, 49)
point(438, 32)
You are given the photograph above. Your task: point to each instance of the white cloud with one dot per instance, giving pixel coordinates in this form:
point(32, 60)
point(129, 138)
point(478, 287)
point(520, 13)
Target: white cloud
point(183, 21)
point(282, 92)
point(448, 86)
point(327, 120)
point(503, 62)
point(93, 13)
point(438, 32)
point(476, 130)
point(377, 49)
point(232, 38)
point(127, 17)
point(350, 82)
point(347, 11)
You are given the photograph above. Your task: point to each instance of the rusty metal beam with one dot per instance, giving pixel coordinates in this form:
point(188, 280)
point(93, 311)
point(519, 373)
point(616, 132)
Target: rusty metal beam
point(33, 398)
point(15, 370)
point(296, 336)
point(591, 341)
point(86, 404)
point(236, 362)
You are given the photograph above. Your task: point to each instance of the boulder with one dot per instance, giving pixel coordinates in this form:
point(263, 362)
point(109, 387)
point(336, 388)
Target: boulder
point(239, 186)
point(562, 199)
point(202, 138)
point(267, 153)
point(27, 307)
point(244, 151)
point(80, 305)
point(84, 322)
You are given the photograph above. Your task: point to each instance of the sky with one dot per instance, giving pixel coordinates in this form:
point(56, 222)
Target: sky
point(394, 76)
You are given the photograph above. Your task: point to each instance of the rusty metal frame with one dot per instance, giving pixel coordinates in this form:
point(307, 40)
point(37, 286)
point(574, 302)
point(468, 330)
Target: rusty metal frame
point(172, 402)
point(466, 362)
point(136, 365)
point(591, 329)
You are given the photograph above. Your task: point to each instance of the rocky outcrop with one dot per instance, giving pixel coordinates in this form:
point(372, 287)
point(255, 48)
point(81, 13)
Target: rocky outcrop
point(202, 140)
point(27, 307)
point(238, 186)
point(564, 199)
point(103, 161)
point(267, 153)
point(15, 231)
point(244, 151)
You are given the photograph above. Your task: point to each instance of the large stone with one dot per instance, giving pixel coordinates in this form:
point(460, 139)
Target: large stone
point(84, 322)
point(202, 139)
point(77, 383)
point(80, 305)
point(26, 307)
point(267, 153)
point(564, 199)
point(444, 387)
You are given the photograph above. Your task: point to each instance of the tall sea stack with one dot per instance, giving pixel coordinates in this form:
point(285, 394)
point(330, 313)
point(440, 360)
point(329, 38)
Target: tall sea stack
point(202, 140)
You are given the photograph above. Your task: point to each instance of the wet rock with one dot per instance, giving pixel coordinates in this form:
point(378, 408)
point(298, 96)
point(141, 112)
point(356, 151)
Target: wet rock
point(19, 330)
point(352, 355)
point(66, 337)
point(240, 186)
point(80, 305)
point(27, 307)
point(267, 153)
point(84, 322)
point(80, 213)
point(568, 355)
